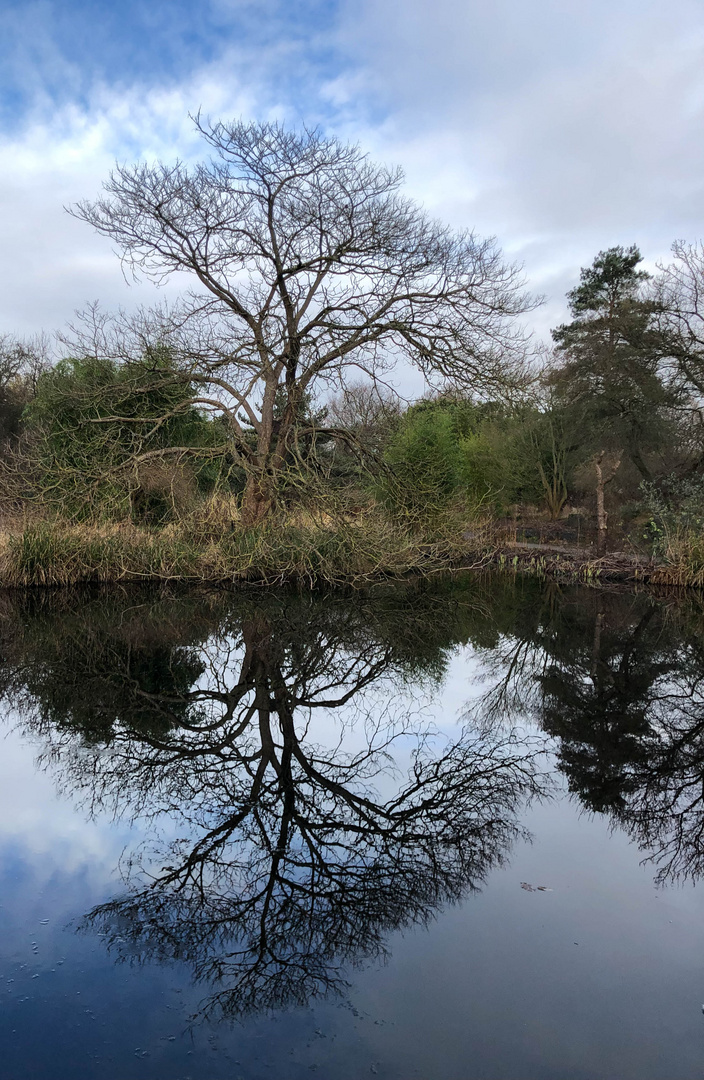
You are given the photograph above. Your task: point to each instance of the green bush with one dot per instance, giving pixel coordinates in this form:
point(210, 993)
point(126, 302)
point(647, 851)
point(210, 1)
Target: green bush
point(91, 422)
point(426, 463)
point(489, 471)
point(448, 449)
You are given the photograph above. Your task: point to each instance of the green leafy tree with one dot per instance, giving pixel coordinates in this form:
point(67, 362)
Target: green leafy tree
point(425, 460)
point(535, 444)
point(451, 447)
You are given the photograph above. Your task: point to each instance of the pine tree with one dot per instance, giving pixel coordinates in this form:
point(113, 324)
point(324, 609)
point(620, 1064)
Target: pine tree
point(610, 377)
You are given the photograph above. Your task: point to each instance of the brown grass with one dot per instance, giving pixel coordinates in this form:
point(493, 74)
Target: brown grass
point(308, 546)
point(682, 554)
point(303, 547)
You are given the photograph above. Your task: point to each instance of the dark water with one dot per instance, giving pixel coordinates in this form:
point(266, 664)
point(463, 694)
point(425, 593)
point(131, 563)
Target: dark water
point(445, 832)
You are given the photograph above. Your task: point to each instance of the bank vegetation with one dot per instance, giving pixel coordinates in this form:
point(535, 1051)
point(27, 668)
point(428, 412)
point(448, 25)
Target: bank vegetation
point(251, 431)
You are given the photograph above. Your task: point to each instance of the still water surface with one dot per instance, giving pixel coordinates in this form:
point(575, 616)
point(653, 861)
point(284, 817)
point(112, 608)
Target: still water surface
point(444, 832)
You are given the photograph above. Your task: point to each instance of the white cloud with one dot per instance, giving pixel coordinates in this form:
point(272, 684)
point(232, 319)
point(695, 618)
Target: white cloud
point(53, 264)
point(52, 833)
point(562, 128)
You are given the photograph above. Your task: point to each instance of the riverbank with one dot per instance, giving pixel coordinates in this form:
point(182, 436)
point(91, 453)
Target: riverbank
point(582, 564)
point(306, 552)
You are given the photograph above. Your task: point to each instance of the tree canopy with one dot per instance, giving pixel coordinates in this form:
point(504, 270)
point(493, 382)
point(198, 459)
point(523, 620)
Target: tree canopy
point(610, 374)
point(308, 264)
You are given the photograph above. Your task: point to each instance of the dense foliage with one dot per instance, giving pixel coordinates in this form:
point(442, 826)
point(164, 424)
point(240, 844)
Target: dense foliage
point(91, 418)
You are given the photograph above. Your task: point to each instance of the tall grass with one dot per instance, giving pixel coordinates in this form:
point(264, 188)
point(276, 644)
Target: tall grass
point(302, 548)
point(681, 549)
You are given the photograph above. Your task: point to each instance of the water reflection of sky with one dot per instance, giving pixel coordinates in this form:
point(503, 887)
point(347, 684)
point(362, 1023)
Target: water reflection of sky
point(602, 977)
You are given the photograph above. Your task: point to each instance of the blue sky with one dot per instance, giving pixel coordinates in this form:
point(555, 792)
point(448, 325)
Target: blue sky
point(558, 126)
point(59, 52)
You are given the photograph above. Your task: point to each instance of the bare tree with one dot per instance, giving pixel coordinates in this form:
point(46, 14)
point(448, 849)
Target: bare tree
point(308, 263)
point(21, 364)
point(679, 292)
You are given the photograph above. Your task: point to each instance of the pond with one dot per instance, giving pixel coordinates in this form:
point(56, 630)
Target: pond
point(442, 830)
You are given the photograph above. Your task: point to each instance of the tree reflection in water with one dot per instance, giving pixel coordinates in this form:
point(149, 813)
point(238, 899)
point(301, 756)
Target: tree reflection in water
point(261, 743)
point(297, 806)
point(618, 679)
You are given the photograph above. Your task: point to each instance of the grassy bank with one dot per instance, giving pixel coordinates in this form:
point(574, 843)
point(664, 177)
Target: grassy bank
point(302, 551)
point(306, 551)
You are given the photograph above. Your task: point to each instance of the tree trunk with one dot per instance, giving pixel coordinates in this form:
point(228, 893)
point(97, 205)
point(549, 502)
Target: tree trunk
point(601, 514)
point(637, 459)
point(258, 499)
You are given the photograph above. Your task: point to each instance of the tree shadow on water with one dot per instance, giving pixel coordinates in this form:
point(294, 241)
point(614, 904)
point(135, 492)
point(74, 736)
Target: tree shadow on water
point(617, 680)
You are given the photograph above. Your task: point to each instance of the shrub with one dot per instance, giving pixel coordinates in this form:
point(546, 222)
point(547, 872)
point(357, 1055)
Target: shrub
point(96, 432)
point(426, 463)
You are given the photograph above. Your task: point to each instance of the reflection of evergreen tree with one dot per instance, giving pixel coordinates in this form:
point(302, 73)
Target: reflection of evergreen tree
point(618, 679)
point(597, 701)
point(632, 739)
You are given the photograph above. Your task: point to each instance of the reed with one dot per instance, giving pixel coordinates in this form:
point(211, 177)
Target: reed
point(682, 556)
point(299, 548)
point(308, 546)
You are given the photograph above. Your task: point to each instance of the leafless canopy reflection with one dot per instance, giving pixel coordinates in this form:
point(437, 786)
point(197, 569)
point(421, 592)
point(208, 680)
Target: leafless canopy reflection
point(297, 804)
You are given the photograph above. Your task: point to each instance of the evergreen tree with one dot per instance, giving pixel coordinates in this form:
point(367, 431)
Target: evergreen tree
point(610, 378)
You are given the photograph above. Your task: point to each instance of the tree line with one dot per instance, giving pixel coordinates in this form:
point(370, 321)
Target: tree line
point(268, 382)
